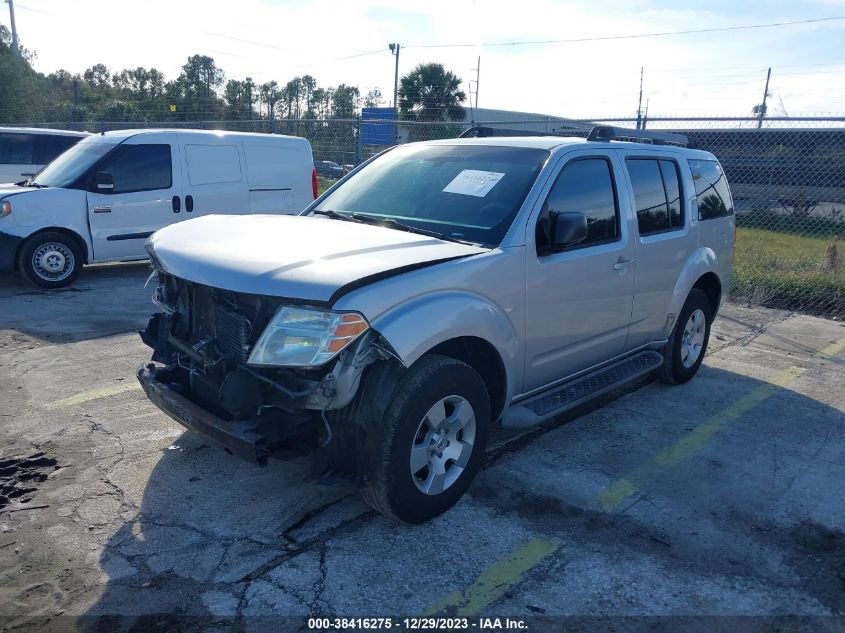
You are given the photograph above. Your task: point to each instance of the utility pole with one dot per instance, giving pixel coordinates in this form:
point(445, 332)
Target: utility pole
point(761, 109)
point(16, 50)
point(640, 102)
point(477, 79)
point(394, 50)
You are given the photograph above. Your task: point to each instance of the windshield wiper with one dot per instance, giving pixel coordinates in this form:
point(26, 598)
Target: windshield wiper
point(334, 215)
point(393, 224)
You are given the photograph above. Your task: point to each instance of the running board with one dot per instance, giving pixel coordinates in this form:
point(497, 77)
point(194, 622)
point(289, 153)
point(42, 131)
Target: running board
point(561, 398)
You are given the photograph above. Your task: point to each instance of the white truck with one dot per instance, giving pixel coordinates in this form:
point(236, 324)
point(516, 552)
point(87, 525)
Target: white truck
point(100, 200)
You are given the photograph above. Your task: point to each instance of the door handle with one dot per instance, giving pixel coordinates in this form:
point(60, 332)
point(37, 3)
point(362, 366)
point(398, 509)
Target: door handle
point(102, 209)
point(189, 203)
point(176, 203)
point(622, 264)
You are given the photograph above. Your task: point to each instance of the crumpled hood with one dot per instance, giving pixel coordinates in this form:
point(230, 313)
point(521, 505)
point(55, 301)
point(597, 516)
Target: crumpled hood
point(298, 257)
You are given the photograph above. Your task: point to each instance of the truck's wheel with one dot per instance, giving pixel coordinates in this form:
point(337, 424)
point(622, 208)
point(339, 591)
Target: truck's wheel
point(50, 260)
point(435, 436)
point(685, 350)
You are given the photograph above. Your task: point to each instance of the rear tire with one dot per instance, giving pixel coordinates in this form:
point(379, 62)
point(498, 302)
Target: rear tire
point(687, 345)
point(433, 444)
point(50, 260)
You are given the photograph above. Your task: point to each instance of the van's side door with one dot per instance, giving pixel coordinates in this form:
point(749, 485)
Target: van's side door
point(578, 300)
point(215, 176)
point(661, 191)
point(145, 196)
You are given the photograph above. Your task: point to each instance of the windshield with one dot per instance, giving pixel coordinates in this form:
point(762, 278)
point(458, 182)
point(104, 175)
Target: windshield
point(467, 192)
point(66, 168)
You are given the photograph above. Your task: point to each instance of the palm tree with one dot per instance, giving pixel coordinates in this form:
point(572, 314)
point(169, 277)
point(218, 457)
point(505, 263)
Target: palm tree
point(431, 93)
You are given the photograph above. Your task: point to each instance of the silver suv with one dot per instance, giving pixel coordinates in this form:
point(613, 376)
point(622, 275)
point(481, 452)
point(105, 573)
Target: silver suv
point(439, 289)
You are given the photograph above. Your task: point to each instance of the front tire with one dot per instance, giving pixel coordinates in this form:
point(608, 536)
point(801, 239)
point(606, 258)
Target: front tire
point(50, 260)
point(686, 347)
point(435, 436)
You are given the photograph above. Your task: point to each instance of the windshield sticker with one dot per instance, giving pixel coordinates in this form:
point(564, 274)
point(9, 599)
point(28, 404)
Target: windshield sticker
point(472, 182)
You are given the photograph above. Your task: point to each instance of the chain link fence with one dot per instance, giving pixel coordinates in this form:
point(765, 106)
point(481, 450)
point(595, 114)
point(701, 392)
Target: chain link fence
point(787, 176)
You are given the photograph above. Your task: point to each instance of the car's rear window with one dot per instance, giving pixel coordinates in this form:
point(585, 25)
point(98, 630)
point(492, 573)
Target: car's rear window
point(467, 192)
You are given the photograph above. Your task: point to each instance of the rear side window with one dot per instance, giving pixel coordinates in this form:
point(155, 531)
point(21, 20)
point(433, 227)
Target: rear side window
point(586, 186)
point(711, 189)
point(657, 193)
point(210, 164)
point(140, 168)
point(47, 147)
point(16, 149)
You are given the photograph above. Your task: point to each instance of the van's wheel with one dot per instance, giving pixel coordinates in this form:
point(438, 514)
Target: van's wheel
point(435, 436)
point(50, 260)
point(685, 350)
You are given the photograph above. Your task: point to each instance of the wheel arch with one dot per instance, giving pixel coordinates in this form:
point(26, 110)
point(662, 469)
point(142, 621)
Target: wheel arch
point(700, 271)
point(712, 286)
point(462, 325)
point(484, 359)
point(76, 237)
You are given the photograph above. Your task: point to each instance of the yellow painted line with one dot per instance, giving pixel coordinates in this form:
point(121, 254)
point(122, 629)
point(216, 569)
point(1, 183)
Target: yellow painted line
point(494, 581)
point(834, 348)
point(92, 394)
point(630, 484)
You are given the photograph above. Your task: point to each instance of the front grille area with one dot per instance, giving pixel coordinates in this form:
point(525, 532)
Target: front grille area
point(229, 329)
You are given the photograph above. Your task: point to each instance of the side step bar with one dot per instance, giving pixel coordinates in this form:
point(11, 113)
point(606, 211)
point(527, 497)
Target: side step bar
point(569, 395)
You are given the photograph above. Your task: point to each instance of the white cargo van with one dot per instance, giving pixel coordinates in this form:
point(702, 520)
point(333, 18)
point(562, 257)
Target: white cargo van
point(100, 200)
point(25, 150)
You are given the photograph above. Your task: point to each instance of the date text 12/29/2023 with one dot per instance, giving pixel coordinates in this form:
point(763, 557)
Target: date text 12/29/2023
point(416, 624)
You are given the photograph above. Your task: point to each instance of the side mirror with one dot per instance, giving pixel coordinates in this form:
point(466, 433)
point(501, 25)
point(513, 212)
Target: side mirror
point(102, 182)
point(568, 228)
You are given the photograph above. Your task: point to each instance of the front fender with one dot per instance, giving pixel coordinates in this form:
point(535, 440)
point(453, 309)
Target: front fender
point(415, 327)
point(40, 209)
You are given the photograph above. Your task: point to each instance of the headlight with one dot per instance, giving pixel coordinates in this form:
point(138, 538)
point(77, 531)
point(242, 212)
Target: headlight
point(305, 337)
point(5, 208)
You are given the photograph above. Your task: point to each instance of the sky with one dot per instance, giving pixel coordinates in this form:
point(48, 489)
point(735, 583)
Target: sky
point(694, 74)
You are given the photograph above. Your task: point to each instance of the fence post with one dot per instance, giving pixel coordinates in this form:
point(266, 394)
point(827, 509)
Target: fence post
point(359, 147)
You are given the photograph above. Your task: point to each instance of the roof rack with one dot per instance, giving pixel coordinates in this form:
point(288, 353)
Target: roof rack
point(605, 133)
point(480, 131)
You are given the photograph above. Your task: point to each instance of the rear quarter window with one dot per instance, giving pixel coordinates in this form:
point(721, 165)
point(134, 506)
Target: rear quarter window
point(711, 189)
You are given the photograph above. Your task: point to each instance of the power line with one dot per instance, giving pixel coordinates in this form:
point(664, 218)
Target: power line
point(632, 36)
point(243, 41)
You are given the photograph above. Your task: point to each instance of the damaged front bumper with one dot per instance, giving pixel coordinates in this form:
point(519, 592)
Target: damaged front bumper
point(239, 438)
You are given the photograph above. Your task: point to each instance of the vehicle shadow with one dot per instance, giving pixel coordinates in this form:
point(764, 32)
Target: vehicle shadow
point(210, 529)
point(107, 299)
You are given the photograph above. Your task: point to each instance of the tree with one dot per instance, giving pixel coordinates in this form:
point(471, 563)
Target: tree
point(431, 93)
point(195, 90)
point(373, 98)
point(270, 95)
point(345, 102)
point(97, 76)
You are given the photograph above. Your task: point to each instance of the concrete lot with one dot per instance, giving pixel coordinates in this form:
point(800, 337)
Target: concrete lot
point(722, 497)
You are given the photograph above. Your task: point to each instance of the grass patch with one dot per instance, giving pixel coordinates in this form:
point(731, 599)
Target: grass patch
point(323, 184)
point(806, 226)
point(793, 272)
